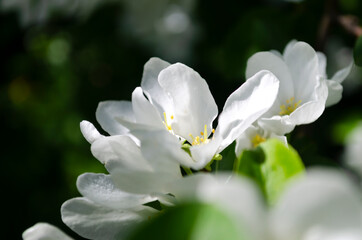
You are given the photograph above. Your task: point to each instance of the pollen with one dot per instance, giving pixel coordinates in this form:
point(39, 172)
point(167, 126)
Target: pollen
point(203, 138)
point(166, 123)
point(289, 107)
point(257, 139)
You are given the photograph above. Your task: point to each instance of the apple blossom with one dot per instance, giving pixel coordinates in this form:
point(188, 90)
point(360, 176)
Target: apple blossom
point(179, 107)
point(304, 90)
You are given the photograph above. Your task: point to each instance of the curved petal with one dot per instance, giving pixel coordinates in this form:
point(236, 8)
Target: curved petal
point(193, 105)
point(334, 92)
point(163, 150)
point(311, 111)
point(340, 75)
point(44, 231)
point(89, 132)
point(324, 199)
point(108, 111)
point(100, 189)
point(246, 105)
point(289, 46)
point(150, 85)
point(144, 111)
point(276, 65)
point(94, 221)
point(279, 125)
point(302, 62)
point(322, 64)
point(119, 152)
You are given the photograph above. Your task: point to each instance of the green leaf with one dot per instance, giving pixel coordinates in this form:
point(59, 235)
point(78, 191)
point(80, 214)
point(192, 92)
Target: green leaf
point(191, 221)
point(271, 165)
point(357, 52)
point(228, 158)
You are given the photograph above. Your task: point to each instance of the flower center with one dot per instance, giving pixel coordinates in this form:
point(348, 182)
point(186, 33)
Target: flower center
point(203, 138)
point(166, 123)
point(257, 139)
point(289, 107)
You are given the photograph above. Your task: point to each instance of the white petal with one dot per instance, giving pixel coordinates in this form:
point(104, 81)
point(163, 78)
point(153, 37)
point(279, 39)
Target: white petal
point(89, 132)
point(94, 221)
point(244, 140)
point(289, 46)
point(150, 84)
point(276, 65)
point(100, 189)
point(322, 64)
point(108, 111)
point(203, 153)
point(194, 107)
point(279, 125)
point(238, 197)
point(246, 105)
point(119, 152)
point(324, 199)
point(312, 110)
point(302, 62)
point(144, 111)
point(142, 182)
point(334, 92)
point(44, 231)
point(163, 150)
point(342, 74)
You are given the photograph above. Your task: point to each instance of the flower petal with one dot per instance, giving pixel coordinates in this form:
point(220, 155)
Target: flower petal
point(119, 152)
point(44, 231)
point(246, 105)
point(108, 111)
point(194, 107)
point(312, 110)
point(94, 221)
point(302, 62)
point(150, 85)
point(324, 199)
point(169, 156)
point(322, 64)
point(279, 125)
point(145, 112)
point(275, 64)
point(237, 196)
point(335, 90)
point(340, 75)
point(100, 189)
point(89, 132)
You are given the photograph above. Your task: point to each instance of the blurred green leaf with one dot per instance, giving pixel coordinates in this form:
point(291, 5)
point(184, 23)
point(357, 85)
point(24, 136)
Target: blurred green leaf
point(357, 52)
point(271, 165)
point(191, 221)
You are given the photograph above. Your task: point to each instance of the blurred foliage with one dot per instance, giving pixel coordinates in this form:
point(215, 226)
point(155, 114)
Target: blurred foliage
point(357, 54)
point(56, 71)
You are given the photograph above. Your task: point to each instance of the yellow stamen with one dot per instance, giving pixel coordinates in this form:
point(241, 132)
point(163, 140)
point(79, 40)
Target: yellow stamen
point(203, 138)
point(257, 139)
point(289, 107)
point(168, 126)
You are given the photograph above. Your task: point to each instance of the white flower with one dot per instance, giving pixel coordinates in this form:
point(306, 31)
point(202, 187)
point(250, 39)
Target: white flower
point(303, 92)
point(104, 211)
point(113, 204)
point(179, 107)
point(44, 231)
point(132, 171)
point(323, 204)
point(253, 136)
